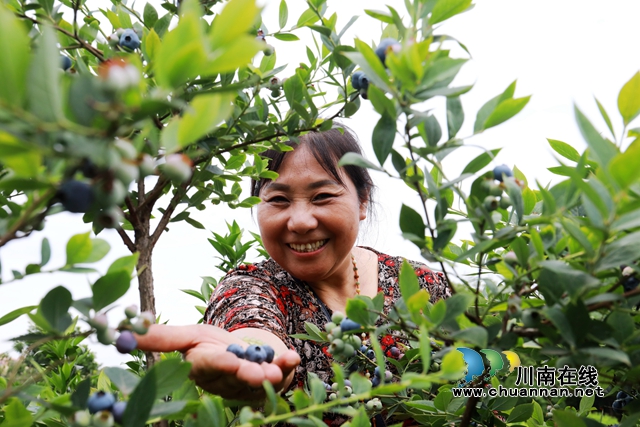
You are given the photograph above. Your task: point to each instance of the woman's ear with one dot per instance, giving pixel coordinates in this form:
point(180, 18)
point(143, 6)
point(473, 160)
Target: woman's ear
point(363, 209)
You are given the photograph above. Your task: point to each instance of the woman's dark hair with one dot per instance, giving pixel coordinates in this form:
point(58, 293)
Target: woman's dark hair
point(327, 147)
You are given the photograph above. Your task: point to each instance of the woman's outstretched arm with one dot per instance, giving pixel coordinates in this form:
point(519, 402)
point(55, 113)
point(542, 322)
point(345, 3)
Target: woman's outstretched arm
point(217, 370)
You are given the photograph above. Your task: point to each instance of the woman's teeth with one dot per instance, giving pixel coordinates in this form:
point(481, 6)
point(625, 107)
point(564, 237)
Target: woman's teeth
point(308, 247)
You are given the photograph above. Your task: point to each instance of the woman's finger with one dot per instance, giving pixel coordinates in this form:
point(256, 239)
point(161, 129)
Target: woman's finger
point(166, 338)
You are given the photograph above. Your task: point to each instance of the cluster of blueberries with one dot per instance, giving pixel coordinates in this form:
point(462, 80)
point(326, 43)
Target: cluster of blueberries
point(253, 353)
point(103, 411)
point(622, 400)
point(334, 390)
point(496, 199)
point(126, 341)
point(630, 281)
point(343, 346)
point(359, 80)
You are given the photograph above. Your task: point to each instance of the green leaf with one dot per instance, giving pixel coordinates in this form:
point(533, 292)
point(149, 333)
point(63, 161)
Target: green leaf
point(45, 99)
point(211, 412)
point(150, 15)
point(370, 64)
point(455, 115)
point(625, 166)
point(123, 379)
point(557, 277)
point(99, 249)
point(559, 320)
point(408, 280)
point(16, 415)
point(307, 17)
point(564, 149)
point(453, 365)
point(172, 373)
point(606, 118)
point(14, 44)
point(10, 317)
point(567, 419)
point(55, 306)
point(586, 403)
point(380, 102)
point(456, 305)
point(109, 288)
point(79, 248)
point(629, 99)
point(506, 110)
point(141, 402)
point(287, 37)
point(379, 15)
point(383, 136)
point(45, 252)
point(127, 263)
point(182, 54)
point(445, 9)
point(476, 336)
point(602, 150)
point(411, 223)
point(481, 161)
point(81, 394)
point(283, 15)
point(622, 251)
point(425, 349)
point(206, 112)
point(235, 20)
point(520, 413)
point(357, 160)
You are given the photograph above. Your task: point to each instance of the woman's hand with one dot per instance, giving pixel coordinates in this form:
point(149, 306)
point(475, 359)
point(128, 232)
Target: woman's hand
point(214, 368)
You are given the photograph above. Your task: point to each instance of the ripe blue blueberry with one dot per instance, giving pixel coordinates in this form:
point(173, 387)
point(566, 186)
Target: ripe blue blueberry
point(270, 353)
point(363, 349)
point(630, 284)
point(256, 353)
point(500, 170)
point(376, 372)
point(618, 405)
point(237, 350)
point(371, 354)
point(349, 325)
point(355, 79)
point(100, 401)
point(129, 39)
point(76, 196)
point(375, 381)
point(65, 62)
point(118, 411)
point(126, 342)
point(384, 47)
point(621, 395)
point(394, 351)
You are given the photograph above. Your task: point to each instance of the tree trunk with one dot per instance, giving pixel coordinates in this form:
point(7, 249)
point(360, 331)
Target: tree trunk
point(145, 273)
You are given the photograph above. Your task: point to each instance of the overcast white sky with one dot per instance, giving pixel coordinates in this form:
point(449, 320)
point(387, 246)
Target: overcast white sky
point(561, 52)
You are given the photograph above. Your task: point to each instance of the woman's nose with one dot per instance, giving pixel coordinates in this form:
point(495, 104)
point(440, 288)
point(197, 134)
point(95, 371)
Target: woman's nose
point(301, 219)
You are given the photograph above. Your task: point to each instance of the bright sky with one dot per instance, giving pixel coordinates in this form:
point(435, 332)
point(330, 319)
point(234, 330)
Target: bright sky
point(560, 52)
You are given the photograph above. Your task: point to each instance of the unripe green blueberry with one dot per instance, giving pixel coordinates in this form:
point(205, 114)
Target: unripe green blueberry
point(107, 336)
point(131, 311)
point(126, 149)
point(348, 350)
point(505, 202)
point(102, 419)
point(333, 396)
point(113, 39)
point(126, 172)
point(276, 84)
point(348, 390)
point(628, 271)
point(276, 93)
point(337, 317)
point(336, 332)
point(177, 167)
point(510, 258)
point(355, 341)
point(329, 327)
point(99, 322)
point(147, 165)
point(334, 386)
point(81, 419)
point(495, 190)
point(337, 346)
point(377, 405)
point(531, 318)
point(268, 50)
point(145, 320)
point(490, 203)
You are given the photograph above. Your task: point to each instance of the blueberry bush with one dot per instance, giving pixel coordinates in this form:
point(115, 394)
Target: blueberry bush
point(103, 112)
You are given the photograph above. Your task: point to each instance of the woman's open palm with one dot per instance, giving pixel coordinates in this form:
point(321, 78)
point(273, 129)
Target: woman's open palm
point(215, 369)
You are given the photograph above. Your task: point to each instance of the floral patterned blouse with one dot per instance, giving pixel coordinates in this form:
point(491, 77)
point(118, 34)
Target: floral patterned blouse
point(265, 296)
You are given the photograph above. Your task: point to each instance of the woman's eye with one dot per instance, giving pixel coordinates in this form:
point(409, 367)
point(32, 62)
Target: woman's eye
point(277, 199)
point(323, 196)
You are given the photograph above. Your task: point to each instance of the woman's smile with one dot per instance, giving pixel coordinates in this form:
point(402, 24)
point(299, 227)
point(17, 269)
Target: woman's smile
point(308, 247)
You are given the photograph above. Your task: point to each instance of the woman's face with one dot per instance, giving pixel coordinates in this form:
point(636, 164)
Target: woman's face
point(309, 221)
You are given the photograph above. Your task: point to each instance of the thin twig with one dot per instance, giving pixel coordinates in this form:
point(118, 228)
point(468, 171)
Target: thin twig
point(126, 239)
point(12, 233)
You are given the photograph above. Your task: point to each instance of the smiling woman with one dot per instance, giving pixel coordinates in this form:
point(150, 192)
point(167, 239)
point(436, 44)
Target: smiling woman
point(309, 219)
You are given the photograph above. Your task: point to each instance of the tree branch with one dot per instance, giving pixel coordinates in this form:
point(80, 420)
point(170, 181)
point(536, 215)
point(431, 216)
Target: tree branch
point(126, 239)
point(166, 216)
point(95, 52)
point(24, 219)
